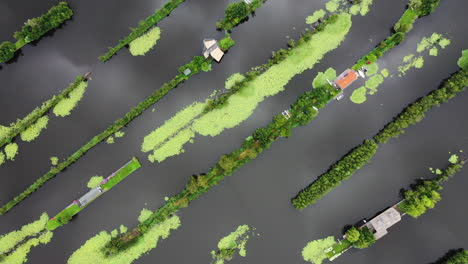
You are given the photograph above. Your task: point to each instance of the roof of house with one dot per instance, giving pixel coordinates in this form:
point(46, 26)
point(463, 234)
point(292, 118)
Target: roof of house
point(383, 221)
point(346, 78)
point(89, 196)
point(211, 48)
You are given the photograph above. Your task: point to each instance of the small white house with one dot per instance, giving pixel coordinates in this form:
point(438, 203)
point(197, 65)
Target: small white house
point(211, 48)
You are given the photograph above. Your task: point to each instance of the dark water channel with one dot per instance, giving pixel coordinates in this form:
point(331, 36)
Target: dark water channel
point(259, 194)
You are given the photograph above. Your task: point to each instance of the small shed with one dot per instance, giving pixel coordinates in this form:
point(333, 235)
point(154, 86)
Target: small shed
point(187, 72)
point(211, 48)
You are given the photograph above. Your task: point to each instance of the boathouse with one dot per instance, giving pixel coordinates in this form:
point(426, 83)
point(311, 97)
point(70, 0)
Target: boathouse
point(383, 221)
point(211, 48)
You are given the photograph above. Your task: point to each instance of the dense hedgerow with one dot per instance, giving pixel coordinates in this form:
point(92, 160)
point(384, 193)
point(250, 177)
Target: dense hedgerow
point(9, 133)
point(35, 28)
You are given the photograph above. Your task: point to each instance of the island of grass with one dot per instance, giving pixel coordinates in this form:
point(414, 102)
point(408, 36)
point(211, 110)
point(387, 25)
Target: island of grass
point(35, 28)
point(64, 216)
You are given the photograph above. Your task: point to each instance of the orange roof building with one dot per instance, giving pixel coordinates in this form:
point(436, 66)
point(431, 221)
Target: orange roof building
point(346, 78)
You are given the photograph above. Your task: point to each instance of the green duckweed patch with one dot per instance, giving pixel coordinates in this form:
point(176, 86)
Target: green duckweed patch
point(54, 160)
point(145, 43)
point(91, 251)
point(241, 105)
point(233, 79)
point(119, 134)
point(318, 14)
point(110, 140)
point(228, 245)
point(463, 60)
point(33, 131)
point(314, 251)
point(65, 106)
point(11, 150)
point(359, 95)
point(410, 61)
point(94, 181)
point(2, 158)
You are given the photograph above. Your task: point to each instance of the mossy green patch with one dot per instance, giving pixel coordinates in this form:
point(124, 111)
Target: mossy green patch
point(65, 106)
point(332, 5)
point(11, 150)
point(91, 251)
point(463, 60)
point(232, 80)
point(182, 119)
point(318, 14)
point(434, 51)
point(314, 251)
point(110, 140)
point(322, 77)
point(94, 181)
point(35, 129)
point(241, 105)
point(373, 82)
point(54, 160)
point(410, 62)
point(173, 146)
point(145, 43)
point(359, 95)
point(430, 43)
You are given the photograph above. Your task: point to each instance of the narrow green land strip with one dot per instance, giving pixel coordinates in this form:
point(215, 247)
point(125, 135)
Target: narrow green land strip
point(128, 169)
point(21, 125)
point(63, 217)
point(10, 240)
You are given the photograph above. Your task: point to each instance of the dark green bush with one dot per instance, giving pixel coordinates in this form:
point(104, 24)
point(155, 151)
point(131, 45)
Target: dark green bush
point(7, 51)
point(237, 12)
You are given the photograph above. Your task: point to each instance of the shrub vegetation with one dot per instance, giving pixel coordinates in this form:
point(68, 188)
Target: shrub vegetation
point(237, 12)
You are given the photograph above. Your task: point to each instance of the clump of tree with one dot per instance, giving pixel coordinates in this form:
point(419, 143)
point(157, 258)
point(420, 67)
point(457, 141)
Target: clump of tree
point(35, 28)
point(237, 12)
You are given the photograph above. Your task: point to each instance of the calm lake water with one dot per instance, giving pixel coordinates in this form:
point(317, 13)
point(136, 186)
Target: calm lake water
point(258, 194)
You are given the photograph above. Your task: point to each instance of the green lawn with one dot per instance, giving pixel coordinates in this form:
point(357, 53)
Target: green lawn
point(338, 248)
point(20, 43)
point(66, 213)
point(133, 165)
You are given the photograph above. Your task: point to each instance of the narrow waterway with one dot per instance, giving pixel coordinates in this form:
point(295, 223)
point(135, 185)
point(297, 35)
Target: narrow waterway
point(258, 194)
